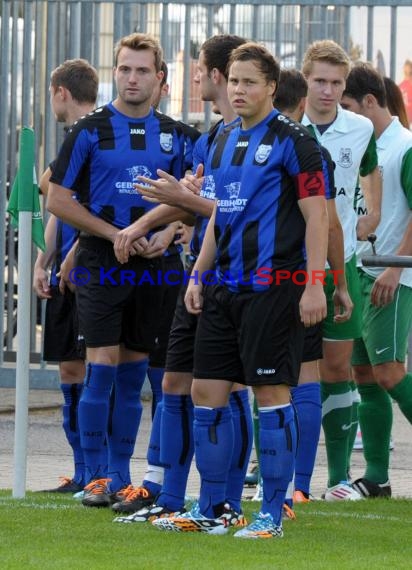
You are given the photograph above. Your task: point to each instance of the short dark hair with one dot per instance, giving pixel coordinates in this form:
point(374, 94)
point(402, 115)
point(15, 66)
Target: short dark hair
point(217, 50)
point(139, 42)
point(266, 62)
point(78, 77)
point(363, 79)
point(291, 89)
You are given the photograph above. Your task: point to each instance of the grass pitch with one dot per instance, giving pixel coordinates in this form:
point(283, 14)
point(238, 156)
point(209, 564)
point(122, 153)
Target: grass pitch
point(45, 531)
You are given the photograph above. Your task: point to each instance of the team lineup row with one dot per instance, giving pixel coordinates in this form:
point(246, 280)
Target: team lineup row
point(259, 190)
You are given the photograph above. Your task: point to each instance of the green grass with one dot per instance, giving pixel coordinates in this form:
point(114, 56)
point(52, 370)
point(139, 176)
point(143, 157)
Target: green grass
point(45, 532)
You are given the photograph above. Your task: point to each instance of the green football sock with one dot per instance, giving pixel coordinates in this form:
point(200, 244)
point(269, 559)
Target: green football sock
point(354, 421)
point(402, 394)
point(375, 419)
point(336, 422)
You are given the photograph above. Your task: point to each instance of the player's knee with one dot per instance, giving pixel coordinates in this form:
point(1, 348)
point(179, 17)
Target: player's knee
point(389, 374)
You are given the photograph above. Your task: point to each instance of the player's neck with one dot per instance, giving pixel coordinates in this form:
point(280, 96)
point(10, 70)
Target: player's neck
point(381, 121)
point(317, 118)
point(225, 109)
point(78, 111)
point(133, 111)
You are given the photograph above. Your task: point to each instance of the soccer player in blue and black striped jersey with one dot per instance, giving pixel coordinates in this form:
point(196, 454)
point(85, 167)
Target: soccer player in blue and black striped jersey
point(177, 447)
point(73, 93)
point(119, 306)
point(269, 222)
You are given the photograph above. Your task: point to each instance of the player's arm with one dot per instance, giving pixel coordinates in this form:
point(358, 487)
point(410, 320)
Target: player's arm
point(342, 301)
point(313, 301)
point(159, 216)
point(61, 203)
point(386, 283)
point(44, 181)
point(44, 260)
point(205, 262)
point(371, 183)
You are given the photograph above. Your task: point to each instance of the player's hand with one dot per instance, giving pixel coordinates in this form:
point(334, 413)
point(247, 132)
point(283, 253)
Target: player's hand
point(159, 242)
point(183, 234)
point(165, 190)
point(384, 288)
point(366, 225)
point(129, 241)
point(194, 182)
point(194, 298)
point(41, 283)
point(343, 305)
point(65, 273)
point(312, 305)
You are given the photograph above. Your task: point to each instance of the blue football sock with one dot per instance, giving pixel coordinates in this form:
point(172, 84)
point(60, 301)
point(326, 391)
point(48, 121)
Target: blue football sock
point(124, 421)
point(154, 475)
point(277, 456)
point(243, 434)
point(308, 405)
point(213, 435)
point(176, 449)
point(93, 417)
point(155, 376)
point(71, 395)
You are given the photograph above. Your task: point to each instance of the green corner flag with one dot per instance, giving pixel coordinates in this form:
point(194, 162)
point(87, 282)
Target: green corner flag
point(24, 195)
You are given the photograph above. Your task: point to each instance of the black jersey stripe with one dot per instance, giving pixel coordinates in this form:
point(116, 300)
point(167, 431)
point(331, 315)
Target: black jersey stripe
point(136, 212)
point(240, 150)
point(105, 133)
point(250, 249)
point(219, 148)
point(137, 133)
point(224, 242)
point(107, 213)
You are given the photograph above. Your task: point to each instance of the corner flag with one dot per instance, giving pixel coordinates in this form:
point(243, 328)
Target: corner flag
point(24, 195)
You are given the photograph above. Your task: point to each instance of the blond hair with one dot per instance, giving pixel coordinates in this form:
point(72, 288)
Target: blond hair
point(139, 42)
point(327, 51)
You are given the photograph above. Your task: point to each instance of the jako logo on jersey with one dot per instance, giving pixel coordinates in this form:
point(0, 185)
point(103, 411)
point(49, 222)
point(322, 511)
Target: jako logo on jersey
point(240, 144)
point(166, 141)
point(262, 153)
point(137, 132)
point(345, 158)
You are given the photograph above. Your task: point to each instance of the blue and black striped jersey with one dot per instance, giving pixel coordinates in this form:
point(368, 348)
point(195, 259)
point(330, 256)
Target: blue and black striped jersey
point(259, 176)
point(200, 154)
point(108, 151)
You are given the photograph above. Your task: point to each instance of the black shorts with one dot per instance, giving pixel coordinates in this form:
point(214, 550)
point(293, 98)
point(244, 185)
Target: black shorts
point(157, 356)
point(182, 337)
point(117, 303)
point(252, 338)
point(62, 341)
point(312, 344)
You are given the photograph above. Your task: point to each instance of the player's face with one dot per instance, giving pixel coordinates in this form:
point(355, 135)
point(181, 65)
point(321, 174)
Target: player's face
point(352, 104)
point(203, 79)
point(326, 83)
point(136, 77)
point(249, 92)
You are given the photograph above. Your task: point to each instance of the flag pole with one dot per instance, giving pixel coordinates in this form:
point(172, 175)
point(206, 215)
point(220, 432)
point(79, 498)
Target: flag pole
point(23, 355)
point(24, 207)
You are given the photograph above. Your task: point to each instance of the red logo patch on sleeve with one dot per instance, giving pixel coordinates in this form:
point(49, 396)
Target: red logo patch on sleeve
point(310, 184)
